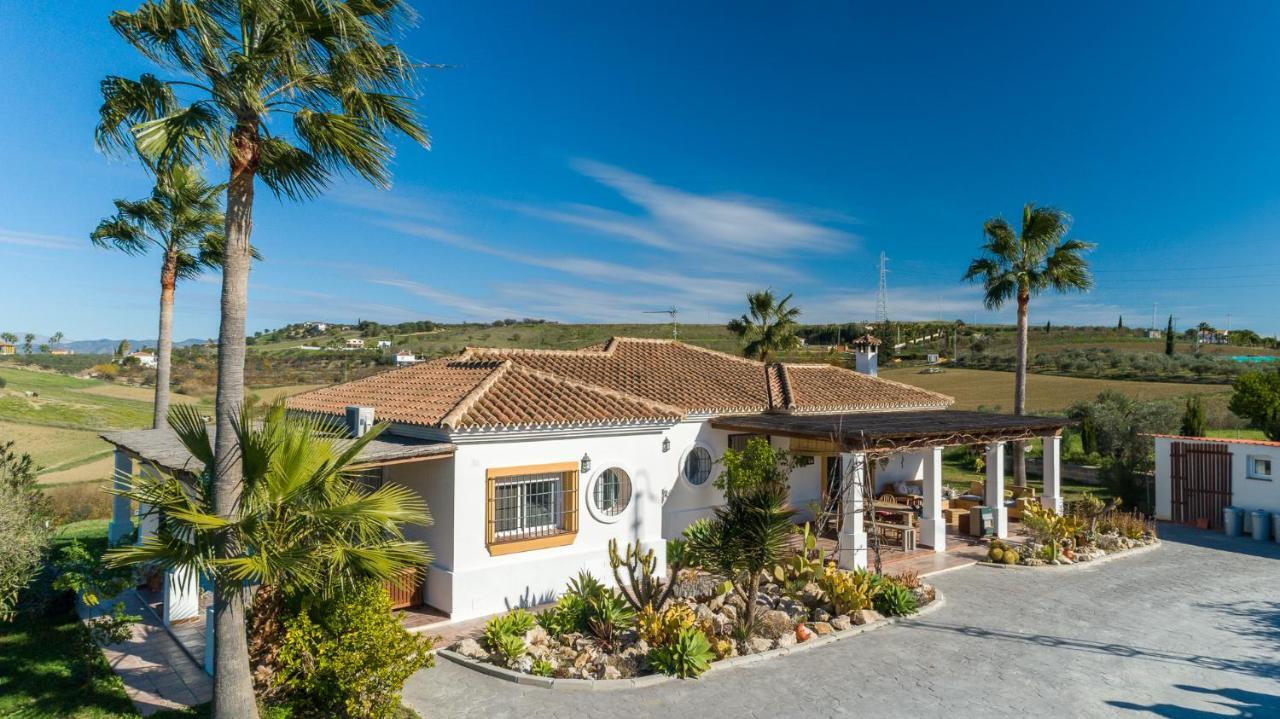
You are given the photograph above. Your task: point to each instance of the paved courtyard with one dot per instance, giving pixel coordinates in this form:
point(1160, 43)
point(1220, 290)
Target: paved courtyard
point(1191, 629)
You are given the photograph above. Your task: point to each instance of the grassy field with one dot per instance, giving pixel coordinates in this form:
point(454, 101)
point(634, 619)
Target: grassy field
point(1045, 393)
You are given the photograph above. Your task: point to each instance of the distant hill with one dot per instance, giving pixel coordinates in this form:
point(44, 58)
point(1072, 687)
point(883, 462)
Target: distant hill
point(108, 346)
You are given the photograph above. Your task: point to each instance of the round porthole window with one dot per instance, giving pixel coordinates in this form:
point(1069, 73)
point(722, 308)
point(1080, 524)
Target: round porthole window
point(611, 494)
point(697, 466)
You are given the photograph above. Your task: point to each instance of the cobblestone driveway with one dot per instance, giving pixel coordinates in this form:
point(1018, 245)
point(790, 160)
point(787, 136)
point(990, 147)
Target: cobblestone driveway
point(1191, 629)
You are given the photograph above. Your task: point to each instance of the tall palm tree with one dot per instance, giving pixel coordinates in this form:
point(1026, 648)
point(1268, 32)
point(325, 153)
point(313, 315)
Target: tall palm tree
point(183, 220)
point(769, 327)
point(1022, 265)
point(304, 525)
point(286, 91)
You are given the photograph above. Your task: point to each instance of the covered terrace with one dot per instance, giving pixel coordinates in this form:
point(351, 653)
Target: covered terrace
point(862, 439)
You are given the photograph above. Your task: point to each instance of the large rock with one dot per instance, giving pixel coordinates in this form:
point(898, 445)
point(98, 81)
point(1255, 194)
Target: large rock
point(821, 615)
point(702, 613)
point(536, 636)
point(730, 612)
point(812, 596)
point(786, 640)
point(759, 644)
point(822, 629)
point(866, 616)
point(721, 625)
point(471, 649)
point(797, 611)
point(841, 623)
point(773, 624)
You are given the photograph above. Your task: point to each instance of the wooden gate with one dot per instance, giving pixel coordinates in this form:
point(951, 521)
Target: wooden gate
point(1200, 482)
point(406, 589)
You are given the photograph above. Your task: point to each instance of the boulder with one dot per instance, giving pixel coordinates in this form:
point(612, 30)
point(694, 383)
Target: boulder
point(812, 596)
point(610, 672)
point(583, 643)
point(730, 612)
point(797, 611)
point(841, 623)
point(759, 644)
point(764, 601)
point(536, 636)
point(715, 603)
point(773, 624)
point(786, 640)
point(821, 615)
point(523, 664)
point(822, 629)
point(702, 613)
point(721, 625)
point(583, 659)
point(471, 649)
point(866, 616)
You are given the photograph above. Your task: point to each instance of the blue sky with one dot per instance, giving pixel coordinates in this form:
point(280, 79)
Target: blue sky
point(595, 160)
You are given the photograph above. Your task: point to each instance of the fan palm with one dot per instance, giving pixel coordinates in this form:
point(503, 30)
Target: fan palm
point(183, 220)
point(286, 91)
point(303, 525)
point(769, 327)
point(1021, 265)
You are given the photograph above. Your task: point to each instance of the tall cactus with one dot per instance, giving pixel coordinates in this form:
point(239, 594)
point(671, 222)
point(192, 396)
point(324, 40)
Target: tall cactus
point(642, 587)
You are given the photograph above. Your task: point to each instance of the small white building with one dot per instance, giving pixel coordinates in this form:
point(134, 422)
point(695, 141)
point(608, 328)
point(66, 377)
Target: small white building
point(404, 357)
point(384, 344)
point(355, 343)
point(1197, 477)
point(145, 358)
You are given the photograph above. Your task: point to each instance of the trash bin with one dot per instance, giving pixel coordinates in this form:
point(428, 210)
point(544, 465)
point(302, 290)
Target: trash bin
point(982, 522)
point(1233, 521)
point(1261, 525)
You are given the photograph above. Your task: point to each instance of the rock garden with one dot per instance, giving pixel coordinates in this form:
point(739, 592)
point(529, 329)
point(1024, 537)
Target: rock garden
point(1088, 530)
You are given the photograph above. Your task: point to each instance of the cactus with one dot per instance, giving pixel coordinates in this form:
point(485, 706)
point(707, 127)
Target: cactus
point(1010, 557)
point(643, 588)
point(996, 554)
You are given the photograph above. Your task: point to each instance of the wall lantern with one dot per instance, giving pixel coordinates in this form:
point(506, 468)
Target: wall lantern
point(666, 444)
point(586, 463)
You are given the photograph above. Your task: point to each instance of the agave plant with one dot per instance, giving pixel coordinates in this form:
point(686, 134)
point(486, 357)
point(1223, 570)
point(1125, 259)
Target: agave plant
point(303, 527)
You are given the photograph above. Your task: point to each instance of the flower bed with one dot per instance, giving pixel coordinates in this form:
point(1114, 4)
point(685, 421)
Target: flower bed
point(699, 625)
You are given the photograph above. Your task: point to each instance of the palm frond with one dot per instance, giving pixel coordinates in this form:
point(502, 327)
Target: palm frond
point(186, 421)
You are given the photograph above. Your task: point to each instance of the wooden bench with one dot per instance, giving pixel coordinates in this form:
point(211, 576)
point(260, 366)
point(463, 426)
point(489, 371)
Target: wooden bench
point(905, 532)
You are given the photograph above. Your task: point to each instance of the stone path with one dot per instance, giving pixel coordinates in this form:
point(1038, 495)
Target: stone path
point(157, 673)
point(1189, 630)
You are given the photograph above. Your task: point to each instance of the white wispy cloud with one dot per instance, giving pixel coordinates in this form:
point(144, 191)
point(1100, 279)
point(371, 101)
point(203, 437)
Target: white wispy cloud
point(683, 221)
point(44, 242)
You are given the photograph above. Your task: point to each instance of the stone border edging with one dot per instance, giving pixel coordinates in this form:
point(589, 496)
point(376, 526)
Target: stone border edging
point(649, 680)
point(1076, 565)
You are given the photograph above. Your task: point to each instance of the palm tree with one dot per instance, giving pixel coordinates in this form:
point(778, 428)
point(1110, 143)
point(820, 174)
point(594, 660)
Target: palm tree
point(244, 68)
point(56, 339)
point(183, 220)
point(9, 337)
point(303, 527)
point(1022, 265)
point(768, 328)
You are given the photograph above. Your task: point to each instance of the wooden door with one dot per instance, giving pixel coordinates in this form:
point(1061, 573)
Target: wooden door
point(406, 589)
point(1200, 481)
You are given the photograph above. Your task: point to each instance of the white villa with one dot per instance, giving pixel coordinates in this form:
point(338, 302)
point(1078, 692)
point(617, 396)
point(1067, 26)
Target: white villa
point(532, 460)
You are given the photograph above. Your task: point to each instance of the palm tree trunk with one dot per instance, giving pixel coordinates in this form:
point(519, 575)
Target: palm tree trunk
point(233, 696)
point(164, 340)
point(1020, 390)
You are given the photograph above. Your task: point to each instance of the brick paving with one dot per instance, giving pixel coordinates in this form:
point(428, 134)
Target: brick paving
point(157, 672)
point(1191, 629)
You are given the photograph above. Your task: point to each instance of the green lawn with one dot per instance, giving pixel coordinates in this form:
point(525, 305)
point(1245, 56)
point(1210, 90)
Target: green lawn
point(1238, 433)
point(68, 402)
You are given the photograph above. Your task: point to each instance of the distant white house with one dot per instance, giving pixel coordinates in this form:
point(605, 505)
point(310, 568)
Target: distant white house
point(1197, 477)
point(145, 358)
point(355, 343)
point(404, 357)
point(61, 351)
point(384, 344)
point(1212, 337)
point(1155, 334)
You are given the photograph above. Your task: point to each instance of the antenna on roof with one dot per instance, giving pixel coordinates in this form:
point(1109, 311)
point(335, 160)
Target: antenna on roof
point(675, 331)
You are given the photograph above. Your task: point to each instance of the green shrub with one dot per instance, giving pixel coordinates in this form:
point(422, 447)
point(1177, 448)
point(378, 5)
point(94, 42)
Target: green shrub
point(24, 536)
point(541, 668)
point(660, 628)
point(895, 600)
point(512, 624)
point(687, 657)
point(568, 615)
point(349, 656)
point(510, 646)
point(848, 591)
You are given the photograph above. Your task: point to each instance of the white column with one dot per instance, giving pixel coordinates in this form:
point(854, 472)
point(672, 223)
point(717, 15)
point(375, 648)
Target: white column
point(121, 518)
point(181, 595)
point(995, 488)
point(853, 539)
point(148, 520)
point(1052, 497)
point(933, 528)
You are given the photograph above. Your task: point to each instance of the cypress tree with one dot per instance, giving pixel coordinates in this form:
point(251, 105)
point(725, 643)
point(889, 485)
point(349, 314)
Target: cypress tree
point(1120, 324)
point(1194, 423)
point(1168, 337)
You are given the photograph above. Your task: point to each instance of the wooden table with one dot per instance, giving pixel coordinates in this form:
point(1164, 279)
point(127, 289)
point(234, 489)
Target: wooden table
point(907, 527)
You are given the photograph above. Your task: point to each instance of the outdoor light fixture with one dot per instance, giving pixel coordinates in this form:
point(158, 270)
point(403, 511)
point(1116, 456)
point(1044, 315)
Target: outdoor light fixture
point(666, 444)
point(586, 463)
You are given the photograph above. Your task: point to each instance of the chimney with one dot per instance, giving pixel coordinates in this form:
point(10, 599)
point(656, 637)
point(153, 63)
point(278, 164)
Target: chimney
point(359, 420)
point(865, 349)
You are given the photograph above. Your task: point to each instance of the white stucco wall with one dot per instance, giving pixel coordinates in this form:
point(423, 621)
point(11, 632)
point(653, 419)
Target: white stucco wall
point(1246, 492)
point(433, 481)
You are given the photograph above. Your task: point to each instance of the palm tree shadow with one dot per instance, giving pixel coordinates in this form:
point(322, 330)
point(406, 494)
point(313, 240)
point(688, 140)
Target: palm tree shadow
point(1241, 702)
point(1262, 618)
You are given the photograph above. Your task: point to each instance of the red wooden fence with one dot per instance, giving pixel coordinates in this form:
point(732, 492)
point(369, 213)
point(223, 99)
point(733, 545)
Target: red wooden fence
point(1200, 481)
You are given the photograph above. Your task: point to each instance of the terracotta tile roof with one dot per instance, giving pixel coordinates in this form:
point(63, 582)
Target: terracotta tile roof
point(824, 388)
point(622, 380)
point(468, 394)
point(1221, 440)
